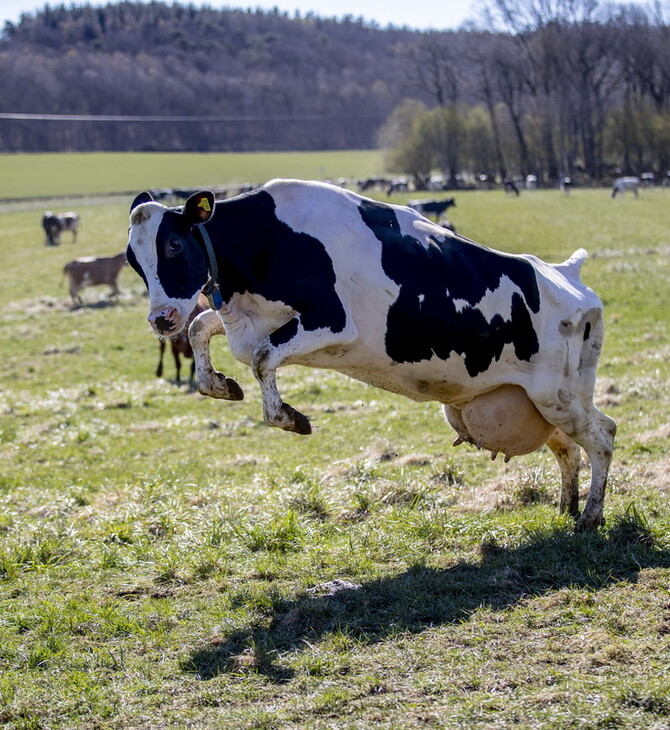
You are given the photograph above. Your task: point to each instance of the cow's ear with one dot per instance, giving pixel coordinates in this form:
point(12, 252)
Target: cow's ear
point(199, 207)
point(141, 198)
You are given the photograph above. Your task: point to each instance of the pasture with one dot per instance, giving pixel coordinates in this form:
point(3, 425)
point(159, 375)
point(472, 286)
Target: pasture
point(38, 175)
point(168, 561)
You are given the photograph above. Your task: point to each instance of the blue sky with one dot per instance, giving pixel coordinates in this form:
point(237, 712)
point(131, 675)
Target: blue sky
point(420, 14)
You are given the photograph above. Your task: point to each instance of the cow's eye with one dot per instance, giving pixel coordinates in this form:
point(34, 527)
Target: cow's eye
point(174, 246)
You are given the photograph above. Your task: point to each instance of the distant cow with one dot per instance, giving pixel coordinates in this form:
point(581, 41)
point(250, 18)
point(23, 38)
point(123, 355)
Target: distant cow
point(397, 185)
point(510, 186)
point(624, 184)
point(55, 223)
point(432, 207)
point(565, 186)
point(310, 274)
point(179, 343)
point(93, 270)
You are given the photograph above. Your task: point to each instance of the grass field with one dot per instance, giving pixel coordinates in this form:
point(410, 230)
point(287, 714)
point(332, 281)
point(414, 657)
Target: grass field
point(168, 561)
point(39, 175)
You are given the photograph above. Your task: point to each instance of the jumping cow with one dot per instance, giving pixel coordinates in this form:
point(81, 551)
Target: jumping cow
point(307, 273)
point(55, 223)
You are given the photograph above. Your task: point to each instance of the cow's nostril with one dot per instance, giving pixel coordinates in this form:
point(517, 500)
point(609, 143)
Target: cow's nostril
point(163, 324)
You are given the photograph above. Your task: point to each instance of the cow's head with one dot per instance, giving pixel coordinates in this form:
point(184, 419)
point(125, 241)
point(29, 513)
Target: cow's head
point(163, 250)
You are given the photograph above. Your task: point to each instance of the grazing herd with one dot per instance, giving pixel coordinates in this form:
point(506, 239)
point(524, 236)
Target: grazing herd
point(88, 271)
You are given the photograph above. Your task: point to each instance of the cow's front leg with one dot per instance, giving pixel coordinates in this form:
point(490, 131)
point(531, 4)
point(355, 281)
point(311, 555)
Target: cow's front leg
point(210, 381)
point(289, 343)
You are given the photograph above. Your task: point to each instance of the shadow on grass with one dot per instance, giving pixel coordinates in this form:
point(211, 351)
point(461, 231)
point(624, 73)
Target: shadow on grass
point(111, 303)
point(423, 597)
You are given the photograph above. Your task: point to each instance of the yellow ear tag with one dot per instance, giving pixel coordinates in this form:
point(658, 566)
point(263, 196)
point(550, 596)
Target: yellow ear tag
point(204, 204)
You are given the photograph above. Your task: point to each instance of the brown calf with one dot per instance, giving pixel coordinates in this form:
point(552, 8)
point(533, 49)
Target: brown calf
point(93, 270)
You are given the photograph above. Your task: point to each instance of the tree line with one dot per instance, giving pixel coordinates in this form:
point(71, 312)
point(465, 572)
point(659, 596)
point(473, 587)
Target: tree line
point(551, 88)
point(209, 79)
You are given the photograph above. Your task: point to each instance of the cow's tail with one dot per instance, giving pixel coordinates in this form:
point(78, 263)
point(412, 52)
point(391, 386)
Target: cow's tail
point(572, 267)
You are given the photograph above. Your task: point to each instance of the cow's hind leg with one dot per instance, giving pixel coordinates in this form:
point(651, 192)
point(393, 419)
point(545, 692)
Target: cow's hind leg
point(568, 455)
point(599, 446)
point(210, 381)
point(594, 432)
point(290, 343)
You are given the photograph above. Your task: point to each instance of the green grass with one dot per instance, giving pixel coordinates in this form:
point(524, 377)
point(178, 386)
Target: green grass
point(39, 175)
point(168, 561)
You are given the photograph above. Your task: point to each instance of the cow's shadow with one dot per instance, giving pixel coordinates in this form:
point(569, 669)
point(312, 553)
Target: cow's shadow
point(110, 303)
point(424, 597)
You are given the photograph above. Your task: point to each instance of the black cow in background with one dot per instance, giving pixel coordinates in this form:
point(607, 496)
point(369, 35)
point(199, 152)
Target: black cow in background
point(55, 223)
point(429, 206)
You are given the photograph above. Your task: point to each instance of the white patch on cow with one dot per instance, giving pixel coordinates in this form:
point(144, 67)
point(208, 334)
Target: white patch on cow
point(331, 215)
point(249, 319)
point(494, 302)
point(498, 301)
point(422, 298)
point(420, 228)
point(460, 304)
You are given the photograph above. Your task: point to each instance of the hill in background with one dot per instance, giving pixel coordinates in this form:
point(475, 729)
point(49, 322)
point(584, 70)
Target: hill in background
point(264, 80)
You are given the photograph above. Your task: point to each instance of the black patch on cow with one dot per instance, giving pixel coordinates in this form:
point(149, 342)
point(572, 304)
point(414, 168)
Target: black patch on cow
point(285, 333)
point(260, 254)
point(134, 264)
point(256, 253)
point(424, 321)
point(182, 263)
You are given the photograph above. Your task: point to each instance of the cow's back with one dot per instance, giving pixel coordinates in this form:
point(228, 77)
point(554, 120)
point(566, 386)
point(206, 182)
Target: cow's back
point(431, 306)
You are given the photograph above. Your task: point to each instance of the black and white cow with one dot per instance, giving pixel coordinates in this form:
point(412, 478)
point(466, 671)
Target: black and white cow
point(55, 223)
point(432, 207)
point(315, 275)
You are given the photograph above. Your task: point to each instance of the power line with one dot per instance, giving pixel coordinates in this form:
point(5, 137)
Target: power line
point(172, 119)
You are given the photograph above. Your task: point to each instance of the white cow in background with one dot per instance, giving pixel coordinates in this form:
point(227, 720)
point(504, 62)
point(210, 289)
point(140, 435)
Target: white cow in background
point(623, 184)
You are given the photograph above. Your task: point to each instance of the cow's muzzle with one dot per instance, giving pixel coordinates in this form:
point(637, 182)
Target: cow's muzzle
point(165, 321)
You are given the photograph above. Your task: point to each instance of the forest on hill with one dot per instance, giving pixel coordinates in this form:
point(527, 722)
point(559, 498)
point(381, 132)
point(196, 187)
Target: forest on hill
point(228, 79)
point(552, 88)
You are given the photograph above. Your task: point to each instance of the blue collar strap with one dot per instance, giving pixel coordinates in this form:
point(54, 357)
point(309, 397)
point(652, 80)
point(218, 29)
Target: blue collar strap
point(211, 290)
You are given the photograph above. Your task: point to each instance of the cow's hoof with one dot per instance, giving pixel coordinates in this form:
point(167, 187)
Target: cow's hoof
point(234, 390)
point(221, 387)
point(583, 525)
point(297, 422)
